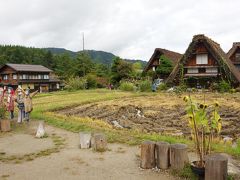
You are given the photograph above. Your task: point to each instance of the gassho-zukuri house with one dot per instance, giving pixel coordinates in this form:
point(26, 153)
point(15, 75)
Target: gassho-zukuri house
point(37, 77)
point(203, 63)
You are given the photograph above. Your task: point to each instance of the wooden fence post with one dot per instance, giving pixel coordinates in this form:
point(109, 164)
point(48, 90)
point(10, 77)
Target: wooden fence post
point(216, 167)
point(99, 142)
point(148, 155)
point(178, 156)
point(85, 140)
point(5, 125)
point(163, 155)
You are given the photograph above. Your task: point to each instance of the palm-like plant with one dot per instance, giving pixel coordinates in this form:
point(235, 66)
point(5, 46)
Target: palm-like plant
point(205, 122)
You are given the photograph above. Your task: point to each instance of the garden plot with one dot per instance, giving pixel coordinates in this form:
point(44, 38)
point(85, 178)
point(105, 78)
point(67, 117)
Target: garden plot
point(163, 113)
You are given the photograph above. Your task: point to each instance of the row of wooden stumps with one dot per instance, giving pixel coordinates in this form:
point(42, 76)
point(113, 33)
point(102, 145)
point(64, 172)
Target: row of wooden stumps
point(175, 156)
point(163, 155)
point(96, 141)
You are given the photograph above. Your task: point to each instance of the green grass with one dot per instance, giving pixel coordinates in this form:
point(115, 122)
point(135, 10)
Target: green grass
point(46, 104)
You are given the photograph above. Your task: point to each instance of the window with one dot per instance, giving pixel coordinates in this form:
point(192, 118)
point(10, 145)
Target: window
point(192, 70)
point(24, 76)
point(212, 70)
point(14, 76)
point(5, 77)
point(46, 76)
point(202, 59)
point(20, 77)
point(237, 56)
point(154, 68)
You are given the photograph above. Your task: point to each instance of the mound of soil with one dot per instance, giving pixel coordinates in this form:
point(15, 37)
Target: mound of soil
point(155, 117)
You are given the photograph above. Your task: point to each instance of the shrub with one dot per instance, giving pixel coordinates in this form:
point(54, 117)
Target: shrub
point(224, 86)
point(127, 86)
point(163, 87)
point(91, 81)
point(76, 83)
point(145, 86)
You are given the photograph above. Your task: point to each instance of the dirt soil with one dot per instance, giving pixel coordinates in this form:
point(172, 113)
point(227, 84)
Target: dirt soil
point(164, 113)
point(120, 162)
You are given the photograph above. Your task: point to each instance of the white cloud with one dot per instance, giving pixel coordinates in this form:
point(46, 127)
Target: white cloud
point(130, 29)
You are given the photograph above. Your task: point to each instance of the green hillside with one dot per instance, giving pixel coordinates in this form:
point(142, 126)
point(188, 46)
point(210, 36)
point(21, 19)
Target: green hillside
point(96, 56)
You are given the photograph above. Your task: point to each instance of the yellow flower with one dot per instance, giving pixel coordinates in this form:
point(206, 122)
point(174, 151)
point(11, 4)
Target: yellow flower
point(216, 104)
point(186, 98)
point(201, 106)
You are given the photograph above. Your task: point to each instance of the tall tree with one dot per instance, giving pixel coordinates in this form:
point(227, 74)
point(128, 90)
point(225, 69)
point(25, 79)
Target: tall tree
point(120, 70)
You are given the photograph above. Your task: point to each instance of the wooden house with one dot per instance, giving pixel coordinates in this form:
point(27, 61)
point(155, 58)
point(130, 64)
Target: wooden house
point(204, 62)
point(37, 77)
point(154, 61)
point(234, 54)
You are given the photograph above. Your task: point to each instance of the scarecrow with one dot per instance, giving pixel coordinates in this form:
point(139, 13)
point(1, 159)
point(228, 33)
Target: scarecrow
point(28, 107)
point(2, 93)
point(10, 102)
point(20, 102)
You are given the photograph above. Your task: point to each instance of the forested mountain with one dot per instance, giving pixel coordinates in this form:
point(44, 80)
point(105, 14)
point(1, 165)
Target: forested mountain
point(66, 63)
point(96, 56)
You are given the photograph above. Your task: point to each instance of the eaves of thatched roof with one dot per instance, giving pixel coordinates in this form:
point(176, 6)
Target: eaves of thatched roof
point(171, 55)
point(217, 52)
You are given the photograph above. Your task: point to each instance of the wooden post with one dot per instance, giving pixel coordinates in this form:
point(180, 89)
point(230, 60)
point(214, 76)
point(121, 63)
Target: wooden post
point(5, 125)
point(163, 155)
point(85, 140)
point(216, 167)
point(99, 142)
point(148, 155)
point(178, 156)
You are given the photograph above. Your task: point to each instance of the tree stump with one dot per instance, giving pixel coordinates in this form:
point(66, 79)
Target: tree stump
point(99, 142)
point(216, 167)
point(85, 140)
point(178, 156)
point(148, 155)
point(5, 125)
point(163, 155)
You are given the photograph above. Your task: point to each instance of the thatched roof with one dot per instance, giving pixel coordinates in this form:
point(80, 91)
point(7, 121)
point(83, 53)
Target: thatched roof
point(215, 50)
point(235, 46)
point(171, 55)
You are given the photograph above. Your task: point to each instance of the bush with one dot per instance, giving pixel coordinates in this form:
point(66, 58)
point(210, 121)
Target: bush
point(163, 87)
point(76, 83)
point(224, 86)
point(145, 86)
point(91, 81)
point(127, 86)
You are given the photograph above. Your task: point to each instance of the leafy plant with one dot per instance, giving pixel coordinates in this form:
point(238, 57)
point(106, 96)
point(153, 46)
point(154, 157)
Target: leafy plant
point(127, 86)
point(224, 86)
point(76, 83)
point(91, 81)
point(165, 67)
point(145, 86)
point(205, 122)
point(163, 87)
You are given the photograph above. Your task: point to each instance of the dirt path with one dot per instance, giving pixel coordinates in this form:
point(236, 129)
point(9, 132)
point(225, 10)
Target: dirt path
point(120, 162)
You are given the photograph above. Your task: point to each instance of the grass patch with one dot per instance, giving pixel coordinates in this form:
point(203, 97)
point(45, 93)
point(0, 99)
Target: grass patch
point(185, 173)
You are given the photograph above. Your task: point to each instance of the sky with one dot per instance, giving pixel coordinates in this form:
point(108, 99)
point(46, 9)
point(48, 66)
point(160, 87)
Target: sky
point(128, 28)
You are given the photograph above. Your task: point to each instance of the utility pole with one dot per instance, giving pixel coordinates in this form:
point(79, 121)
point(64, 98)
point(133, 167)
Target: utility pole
point(83, 40)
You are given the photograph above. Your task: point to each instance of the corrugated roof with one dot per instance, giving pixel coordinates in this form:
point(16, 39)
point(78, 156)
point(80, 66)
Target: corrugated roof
point(29, 68)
